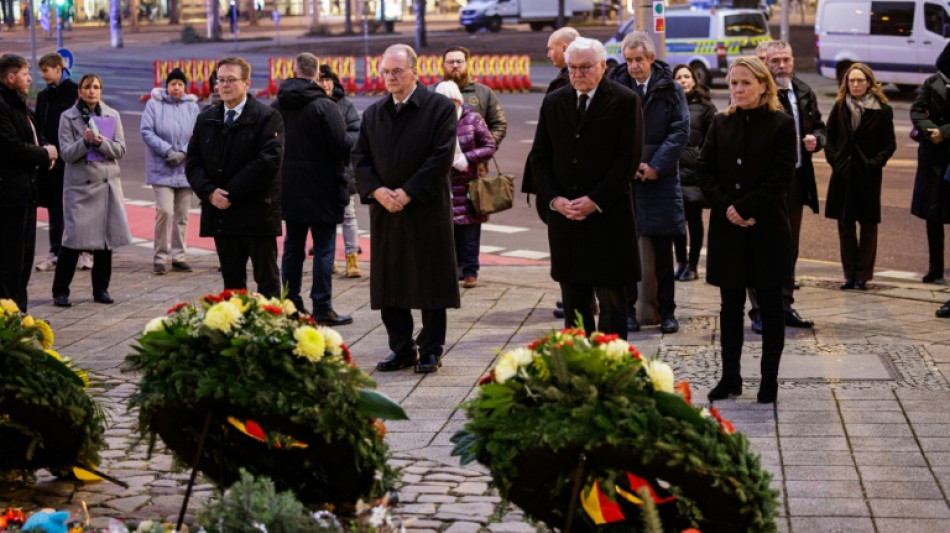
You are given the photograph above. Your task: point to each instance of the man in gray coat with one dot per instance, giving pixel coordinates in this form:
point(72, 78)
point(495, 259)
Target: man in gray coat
point(478, 96)
point(402, 162)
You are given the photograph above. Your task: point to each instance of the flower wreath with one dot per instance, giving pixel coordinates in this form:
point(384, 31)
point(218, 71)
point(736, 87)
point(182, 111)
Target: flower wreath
point(282, 396)
point(47, 419)
point(567, 396)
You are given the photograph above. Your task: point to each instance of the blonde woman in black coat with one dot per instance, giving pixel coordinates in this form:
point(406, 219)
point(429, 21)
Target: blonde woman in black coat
point(860, 141)
point(744, 169)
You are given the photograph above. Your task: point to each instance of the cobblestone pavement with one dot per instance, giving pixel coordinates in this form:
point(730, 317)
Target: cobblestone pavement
point(858, 441)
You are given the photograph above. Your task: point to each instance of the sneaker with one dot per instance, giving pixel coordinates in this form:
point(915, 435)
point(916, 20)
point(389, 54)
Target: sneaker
point(47, 264)
point(85, 261)
point(181, 266)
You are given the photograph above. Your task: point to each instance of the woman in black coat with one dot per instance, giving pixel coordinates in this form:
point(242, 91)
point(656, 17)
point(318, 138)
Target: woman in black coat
point(860, 141)
point(701, 113)
point(744, 169)
point(930, 114)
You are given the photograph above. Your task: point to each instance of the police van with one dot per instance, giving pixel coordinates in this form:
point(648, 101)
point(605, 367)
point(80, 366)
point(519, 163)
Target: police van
point(899, 39)
point(704, 39)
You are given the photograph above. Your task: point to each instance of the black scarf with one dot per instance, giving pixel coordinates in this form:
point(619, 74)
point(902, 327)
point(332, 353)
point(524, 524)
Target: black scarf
point(84, 110)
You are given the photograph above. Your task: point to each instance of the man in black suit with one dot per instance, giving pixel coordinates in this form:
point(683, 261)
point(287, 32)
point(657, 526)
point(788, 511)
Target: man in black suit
point(233, 165)
point(586, 151)
point(799, 100)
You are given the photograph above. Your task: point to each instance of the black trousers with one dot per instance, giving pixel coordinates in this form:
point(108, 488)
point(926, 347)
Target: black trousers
point(613, 307)
point(696, 231)
point(773, 330)
point(935, 247)
point(17, 248)
point(233, 253)
point(788, 289)
point(66, 268)
point(398, 322)
point(857, 256)
point(663, 267)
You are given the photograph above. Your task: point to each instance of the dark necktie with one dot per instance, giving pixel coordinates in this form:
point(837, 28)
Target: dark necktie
point(582, 108)
point(786, 101)
point(640, 90)
point(229, 117)
point(399, 107)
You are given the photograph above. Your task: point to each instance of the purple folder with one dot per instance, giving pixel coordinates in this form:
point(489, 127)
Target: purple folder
point(106, 127)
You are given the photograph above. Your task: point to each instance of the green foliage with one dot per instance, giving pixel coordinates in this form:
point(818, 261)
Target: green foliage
point(254, 502)
point(567, 394)
point(253, 359)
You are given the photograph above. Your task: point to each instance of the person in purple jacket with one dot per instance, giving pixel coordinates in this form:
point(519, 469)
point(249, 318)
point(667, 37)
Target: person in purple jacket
point(474, 145)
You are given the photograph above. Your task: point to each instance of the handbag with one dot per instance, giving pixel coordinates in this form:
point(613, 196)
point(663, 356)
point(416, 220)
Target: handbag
point(492, 194)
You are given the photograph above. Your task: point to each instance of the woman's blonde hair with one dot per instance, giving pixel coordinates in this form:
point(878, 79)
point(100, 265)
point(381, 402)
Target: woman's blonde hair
point(763, 76)
point(874, 87)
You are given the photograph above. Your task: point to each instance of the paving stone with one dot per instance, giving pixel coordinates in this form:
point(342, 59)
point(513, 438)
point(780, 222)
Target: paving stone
point(932, 430)
point(827, 507)
point(832, 524)
point(435, 498)
point(895, 473)
point(826, 458)
point(910, 508)
point(878, 430)
point(831, 429)
point(127, 505)
point(924, 489)
point(821, 473)
point(464, 527)
point(822, 489)
point(470, 488)
point(468, 509)
point(813, 444)
point(512, 527)
point(917, 525)
point(884, 458)
point(885, 444)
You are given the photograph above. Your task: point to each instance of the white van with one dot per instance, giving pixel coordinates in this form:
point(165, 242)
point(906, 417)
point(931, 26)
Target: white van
point(899, 39)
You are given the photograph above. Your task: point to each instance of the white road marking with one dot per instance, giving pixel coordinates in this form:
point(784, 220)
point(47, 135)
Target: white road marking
point(498, 228)
point(527, 254)
point(897, 274)
point(489, 249)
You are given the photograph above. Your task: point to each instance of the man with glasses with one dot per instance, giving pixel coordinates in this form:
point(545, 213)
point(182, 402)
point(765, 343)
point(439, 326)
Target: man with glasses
point(233, 165)
point(586, 149)
point(479, 97)
point(657, 193)
point(402, 161)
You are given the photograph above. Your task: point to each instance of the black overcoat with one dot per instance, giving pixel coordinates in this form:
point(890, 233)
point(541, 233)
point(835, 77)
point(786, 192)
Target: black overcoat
point(803, 189)
point(412, 251)
point(21, 156)
point(857, 158)
point(51, 103)
point(931, 109)
point(244, 160)
point(747, 161)
point(596, 158)
point(313, 182)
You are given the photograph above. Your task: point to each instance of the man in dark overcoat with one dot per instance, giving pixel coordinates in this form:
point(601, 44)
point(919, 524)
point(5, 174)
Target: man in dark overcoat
point(586, 150)
point(59, 95)
point(800, 102)
point(314, 187)
point(658, 198)
point(402, 161)
point(233, 165)
point(24, 150)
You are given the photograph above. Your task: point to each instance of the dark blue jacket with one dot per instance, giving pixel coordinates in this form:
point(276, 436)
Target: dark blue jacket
point(659, 203)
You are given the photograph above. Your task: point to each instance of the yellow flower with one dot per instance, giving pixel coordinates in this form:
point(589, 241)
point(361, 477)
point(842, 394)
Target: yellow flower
point(239, 303)
point(334, 342)
point(288, 307)
point(9, 306)
point(310, 343)
point(54, 353)
point(660, 374)
point(617, 350)
point(155, 324)
point(46, 333)
point(506, 368)
point(223, 316)
point(28, 321)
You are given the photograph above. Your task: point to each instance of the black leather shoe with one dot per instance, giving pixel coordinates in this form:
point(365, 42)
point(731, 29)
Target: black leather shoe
point(332, 318)
point(848, 284)
point(559, 304)
point(62, 301)
point(428, 362)
point(668, 324)
point(559, 313)
point(103, 298)
point(943, 312)
point(795, 320)
point(756, 325)
point(768, 391)
point(861, 285)
point(632, 323)
point(725, 388)
point(689, 274)
point(680, 268)
point(936, 279)
point(396, 361)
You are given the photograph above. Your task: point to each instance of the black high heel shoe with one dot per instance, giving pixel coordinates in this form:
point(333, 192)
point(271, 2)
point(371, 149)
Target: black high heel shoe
point(725, 388)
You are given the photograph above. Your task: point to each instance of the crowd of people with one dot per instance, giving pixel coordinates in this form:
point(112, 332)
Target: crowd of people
point(621, 158)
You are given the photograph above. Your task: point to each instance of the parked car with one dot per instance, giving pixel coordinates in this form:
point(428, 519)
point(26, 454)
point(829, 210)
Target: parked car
point(704, 39)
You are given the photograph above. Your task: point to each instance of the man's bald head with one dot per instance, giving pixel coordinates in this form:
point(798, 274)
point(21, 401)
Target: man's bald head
point(558, 43)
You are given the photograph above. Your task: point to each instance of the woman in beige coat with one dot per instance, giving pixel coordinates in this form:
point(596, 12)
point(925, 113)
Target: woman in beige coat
point(93, 203)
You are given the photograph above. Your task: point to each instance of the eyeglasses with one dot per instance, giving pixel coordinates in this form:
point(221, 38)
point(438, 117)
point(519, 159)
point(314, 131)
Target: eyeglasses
point(394, 73)
point(579, 69)
point(454, 61)
point(229, 81)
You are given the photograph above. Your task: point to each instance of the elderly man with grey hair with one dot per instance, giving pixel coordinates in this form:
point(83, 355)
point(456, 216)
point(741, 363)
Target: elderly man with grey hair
point(402, 162)
point(314, 186)
point(586, 150)
point(658, 197)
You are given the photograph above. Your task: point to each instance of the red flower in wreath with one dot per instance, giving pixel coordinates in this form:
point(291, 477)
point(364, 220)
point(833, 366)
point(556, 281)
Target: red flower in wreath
point(176, 307)
point(726, 425)
point(272, 309)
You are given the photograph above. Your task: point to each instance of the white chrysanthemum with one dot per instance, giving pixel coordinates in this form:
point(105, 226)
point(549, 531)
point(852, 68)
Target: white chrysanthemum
point(379, 517)
point(660, 374)
point(617, 350)
point(155, 324)
point(521, 356)
point(505, 369)
point(334, 341)
point(223, 316)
